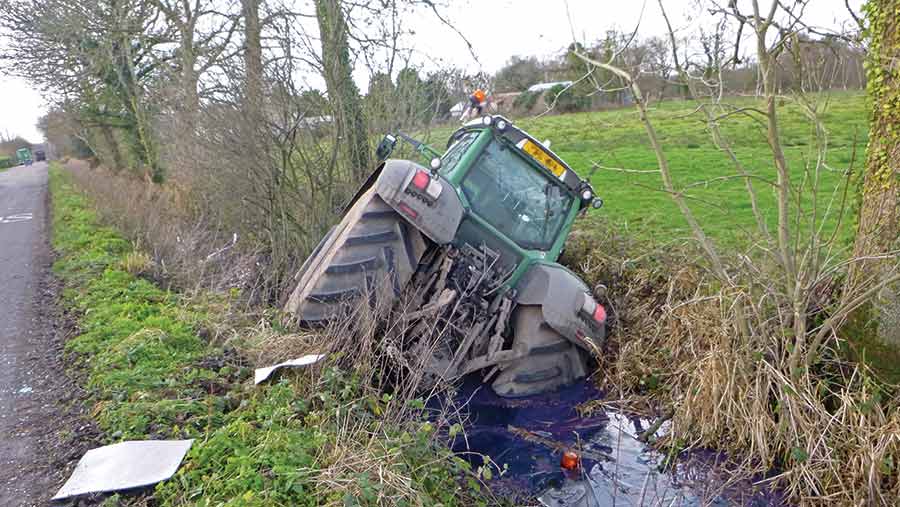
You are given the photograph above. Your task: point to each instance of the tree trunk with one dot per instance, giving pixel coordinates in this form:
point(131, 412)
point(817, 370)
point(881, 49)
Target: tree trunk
point(189, 78)
point(110, 140)
point(252, 55)
point(342, 91)
point(879, 215)
point(182, 141)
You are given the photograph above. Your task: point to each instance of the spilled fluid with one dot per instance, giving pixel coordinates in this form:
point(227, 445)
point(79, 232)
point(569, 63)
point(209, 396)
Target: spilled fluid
point(525, 438)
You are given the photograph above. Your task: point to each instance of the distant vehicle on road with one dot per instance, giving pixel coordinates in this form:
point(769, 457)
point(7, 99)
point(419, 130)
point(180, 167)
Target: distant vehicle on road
point(23, 155)
point(39, 155)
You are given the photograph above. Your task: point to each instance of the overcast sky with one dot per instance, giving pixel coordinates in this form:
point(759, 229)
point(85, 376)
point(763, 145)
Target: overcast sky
point(498, 29)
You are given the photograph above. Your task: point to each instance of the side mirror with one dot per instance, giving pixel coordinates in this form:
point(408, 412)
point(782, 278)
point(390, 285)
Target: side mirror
point(385, 147)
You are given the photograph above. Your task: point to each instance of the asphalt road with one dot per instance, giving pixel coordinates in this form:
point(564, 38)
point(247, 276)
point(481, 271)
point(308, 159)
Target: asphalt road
point(28, 357)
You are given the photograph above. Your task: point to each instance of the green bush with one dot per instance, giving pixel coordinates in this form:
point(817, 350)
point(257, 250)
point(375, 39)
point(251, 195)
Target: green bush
point(526, 100)
point(568, 100)
point(6, 162)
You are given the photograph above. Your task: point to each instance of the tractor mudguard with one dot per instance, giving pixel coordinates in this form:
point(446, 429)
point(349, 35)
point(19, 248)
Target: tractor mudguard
point(370, 180)
point(438, 220)
point(565, 302)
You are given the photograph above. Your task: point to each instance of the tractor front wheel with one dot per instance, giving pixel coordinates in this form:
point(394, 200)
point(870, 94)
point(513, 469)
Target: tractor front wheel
point(547, 360)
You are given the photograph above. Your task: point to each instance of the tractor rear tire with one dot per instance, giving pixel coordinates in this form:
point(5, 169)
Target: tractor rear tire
point(550, 360)
point(372, 252)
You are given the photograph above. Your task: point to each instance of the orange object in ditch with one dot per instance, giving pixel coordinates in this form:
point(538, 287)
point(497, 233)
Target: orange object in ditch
point(570, 460)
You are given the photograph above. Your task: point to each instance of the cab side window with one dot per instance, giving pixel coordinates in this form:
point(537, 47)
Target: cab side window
point(456, 151)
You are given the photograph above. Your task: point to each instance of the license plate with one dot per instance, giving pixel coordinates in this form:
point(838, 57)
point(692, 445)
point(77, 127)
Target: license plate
point(544, 158)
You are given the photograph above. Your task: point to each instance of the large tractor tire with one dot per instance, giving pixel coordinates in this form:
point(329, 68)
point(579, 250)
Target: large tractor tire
point(547, 360)
point(372, 252)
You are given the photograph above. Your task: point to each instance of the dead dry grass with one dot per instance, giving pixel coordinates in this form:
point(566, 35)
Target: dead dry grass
point(831, 432)
point(178, 242)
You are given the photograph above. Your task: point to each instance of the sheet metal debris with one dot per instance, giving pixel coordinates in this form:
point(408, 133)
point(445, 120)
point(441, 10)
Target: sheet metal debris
point(125, 465)
point(264, 373)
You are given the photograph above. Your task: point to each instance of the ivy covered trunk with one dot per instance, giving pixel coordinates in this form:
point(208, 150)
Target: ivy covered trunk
point(342, 90)
point(879, 216)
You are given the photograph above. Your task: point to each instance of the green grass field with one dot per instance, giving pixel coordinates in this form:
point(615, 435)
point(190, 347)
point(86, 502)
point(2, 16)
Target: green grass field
point(634, 200)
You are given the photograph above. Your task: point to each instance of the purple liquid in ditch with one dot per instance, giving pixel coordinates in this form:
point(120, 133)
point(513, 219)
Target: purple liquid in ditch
point(616, 468)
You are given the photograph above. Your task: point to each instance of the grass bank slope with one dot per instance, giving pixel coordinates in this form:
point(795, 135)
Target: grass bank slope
point(306, 440)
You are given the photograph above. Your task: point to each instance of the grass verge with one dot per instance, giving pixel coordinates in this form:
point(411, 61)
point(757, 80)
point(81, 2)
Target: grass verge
point(312, 438)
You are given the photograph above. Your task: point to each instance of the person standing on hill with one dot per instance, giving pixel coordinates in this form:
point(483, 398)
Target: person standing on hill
point(478, 102)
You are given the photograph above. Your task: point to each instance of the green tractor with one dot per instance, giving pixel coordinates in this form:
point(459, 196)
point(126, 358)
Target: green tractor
point(473, 240)
point(23, 155)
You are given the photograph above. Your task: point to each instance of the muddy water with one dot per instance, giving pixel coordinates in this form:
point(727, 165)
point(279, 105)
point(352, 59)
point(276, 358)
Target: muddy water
point(616, 468)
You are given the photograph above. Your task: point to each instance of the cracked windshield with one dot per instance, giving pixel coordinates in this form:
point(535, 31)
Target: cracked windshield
point(516, 198)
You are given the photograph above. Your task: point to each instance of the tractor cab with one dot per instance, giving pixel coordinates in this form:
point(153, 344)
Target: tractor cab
point(519, 197)
point(515, 185)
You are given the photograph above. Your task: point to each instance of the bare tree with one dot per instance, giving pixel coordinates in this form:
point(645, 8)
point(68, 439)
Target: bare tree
point(203, 34)
point(100, 53)
point(253, 60)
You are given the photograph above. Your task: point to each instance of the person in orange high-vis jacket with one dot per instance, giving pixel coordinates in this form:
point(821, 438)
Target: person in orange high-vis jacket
point(478, 102)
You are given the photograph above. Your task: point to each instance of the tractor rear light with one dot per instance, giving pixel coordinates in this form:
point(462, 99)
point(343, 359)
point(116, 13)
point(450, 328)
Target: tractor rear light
point(588, 306)
point(421, 180)
point(600, 314)
point(423, 183)
point(593, 310)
